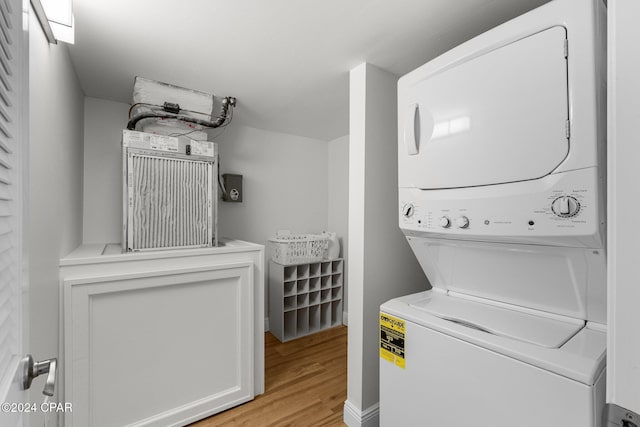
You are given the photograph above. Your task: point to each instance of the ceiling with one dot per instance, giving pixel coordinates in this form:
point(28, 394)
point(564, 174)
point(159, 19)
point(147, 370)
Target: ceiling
point(286, 61)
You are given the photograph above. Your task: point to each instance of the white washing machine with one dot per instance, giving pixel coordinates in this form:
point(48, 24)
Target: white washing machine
point(501, 175)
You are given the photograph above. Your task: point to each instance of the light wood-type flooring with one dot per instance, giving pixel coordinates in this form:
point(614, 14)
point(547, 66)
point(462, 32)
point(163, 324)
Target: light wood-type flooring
point(305, 385)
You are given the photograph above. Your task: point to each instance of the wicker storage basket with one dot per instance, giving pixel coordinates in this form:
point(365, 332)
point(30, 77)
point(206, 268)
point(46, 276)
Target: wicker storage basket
point(298, 248)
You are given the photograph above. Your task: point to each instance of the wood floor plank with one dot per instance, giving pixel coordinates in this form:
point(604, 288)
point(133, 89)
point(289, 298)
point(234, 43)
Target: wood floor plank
point(305, 385)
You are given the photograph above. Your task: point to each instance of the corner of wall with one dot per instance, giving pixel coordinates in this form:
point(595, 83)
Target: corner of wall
point(354, 417)
point(378, 252)
point(55, 186)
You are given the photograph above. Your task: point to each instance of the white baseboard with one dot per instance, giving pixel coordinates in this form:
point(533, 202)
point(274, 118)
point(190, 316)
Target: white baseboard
point(354, 417)
point(266, 324)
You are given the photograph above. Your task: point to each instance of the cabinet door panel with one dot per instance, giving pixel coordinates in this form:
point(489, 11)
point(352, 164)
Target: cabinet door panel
point(159, 348)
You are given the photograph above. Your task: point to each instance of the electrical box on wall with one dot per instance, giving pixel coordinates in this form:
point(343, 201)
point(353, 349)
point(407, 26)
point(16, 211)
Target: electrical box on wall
point(233, 187)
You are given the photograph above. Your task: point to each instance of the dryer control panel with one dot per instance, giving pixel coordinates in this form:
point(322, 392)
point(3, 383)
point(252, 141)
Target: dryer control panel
point(558, 209)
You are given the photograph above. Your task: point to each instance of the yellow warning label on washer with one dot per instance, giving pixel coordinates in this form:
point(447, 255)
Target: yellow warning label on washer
point(392, 338)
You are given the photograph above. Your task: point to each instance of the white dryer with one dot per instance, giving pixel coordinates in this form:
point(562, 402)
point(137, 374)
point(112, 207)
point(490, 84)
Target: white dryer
point(501, 175)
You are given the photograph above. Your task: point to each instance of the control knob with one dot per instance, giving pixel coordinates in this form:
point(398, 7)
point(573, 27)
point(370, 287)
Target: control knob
point(462, 222)
point(445, 222)
point(407, 210)
point(565, 206)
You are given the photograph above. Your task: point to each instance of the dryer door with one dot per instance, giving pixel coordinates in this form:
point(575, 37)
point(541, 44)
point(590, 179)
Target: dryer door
point(499, 117)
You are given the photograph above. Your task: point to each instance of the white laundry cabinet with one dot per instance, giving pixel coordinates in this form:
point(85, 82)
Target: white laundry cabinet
point(160, 338)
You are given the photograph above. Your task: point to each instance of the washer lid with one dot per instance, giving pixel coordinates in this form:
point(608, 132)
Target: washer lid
point(550, 331)
point(498, 117)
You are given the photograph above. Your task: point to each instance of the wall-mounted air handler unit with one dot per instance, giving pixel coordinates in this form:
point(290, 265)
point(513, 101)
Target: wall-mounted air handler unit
point(170, 192)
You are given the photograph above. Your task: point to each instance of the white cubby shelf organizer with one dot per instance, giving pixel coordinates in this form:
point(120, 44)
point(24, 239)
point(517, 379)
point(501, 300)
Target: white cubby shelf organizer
point(305, 298)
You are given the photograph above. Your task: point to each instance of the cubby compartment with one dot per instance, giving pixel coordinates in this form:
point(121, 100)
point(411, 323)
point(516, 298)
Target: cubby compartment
point(314, 298)
point(304, 298)
point(290, 272)
point(314, 318)
point(336, 313)
point(290, 331)
point(314, 284)
point(325, 315)
point(314, 269)
point(302, 286)
point(303, 271)
point(325, 282)
point(290, 288)
point(325, 268)
point(290, 303)
point(336, 279)
point(336, 266)
point(302, 323)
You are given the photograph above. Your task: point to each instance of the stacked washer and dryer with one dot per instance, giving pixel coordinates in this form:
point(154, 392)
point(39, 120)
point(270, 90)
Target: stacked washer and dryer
point(501, 173)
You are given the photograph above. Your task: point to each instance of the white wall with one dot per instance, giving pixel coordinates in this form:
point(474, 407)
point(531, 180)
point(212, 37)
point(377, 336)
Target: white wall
point(623, 345)
point(55, 187)
point(381, 264)
point(284, 179)
point(338, 200)
point(284, 183)
point(103, 124)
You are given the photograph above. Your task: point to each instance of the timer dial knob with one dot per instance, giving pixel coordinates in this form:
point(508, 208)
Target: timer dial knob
point(462, 222)
point(565, 206)
point(445, 222)
point(407, 210)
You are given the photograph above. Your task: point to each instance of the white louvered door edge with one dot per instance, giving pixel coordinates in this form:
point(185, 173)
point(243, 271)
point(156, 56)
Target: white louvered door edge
point(13, 157)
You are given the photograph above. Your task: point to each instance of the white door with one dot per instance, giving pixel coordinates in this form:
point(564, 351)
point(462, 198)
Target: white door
point(499, 117)
point(13, 157)
point(623, 246)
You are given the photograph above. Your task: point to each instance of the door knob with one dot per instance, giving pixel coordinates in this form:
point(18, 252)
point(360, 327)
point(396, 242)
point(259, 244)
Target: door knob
point(34, 369)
